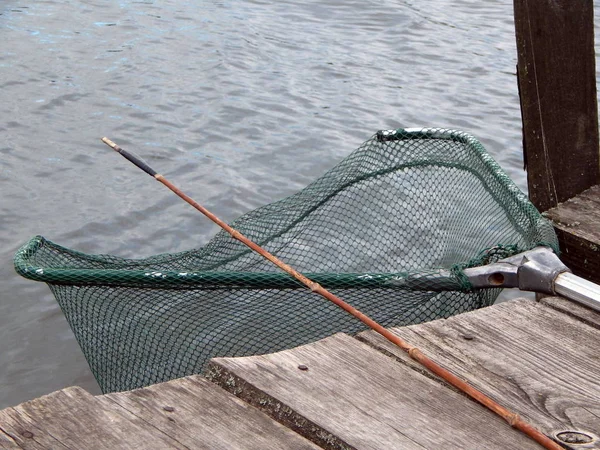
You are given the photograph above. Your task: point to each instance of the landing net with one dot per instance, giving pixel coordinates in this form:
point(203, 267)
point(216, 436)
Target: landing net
point(389, 230)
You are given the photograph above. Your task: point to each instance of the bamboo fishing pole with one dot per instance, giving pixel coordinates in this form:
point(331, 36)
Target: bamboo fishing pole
point(512, 418)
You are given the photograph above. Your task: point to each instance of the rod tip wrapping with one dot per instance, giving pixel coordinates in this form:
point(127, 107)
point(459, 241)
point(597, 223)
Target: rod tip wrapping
point(110, 143)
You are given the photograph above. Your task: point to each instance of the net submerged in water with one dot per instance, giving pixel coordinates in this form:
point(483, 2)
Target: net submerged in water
point(389, 230)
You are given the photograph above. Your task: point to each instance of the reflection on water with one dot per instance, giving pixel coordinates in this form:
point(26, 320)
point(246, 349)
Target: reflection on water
point(240, 103)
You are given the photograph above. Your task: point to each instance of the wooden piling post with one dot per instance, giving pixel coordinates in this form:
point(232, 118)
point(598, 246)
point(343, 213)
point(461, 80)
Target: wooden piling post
point(557, 86)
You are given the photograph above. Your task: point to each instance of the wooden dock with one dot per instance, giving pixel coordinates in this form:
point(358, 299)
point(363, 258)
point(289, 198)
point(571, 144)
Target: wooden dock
point(541, 360)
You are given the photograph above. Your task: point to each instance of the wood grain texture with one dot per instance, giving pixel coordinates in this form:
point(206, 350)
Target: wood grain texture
point(7, 442)
point(200, 415)
point(577, 225)
point(352, 396)
point(580, 312)
point(73, 419)
point(531, 358)
point(557, 85)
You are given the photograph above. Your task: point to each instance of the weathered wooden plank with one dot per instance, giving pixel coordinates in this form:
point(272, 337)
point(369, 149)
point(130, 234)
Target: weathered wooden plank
point(342, 394)
point(7, 442)
point(73, 419)
point(531, 358)
point(25, 432)
point(557, 85)
point(582, 313)
point(200, 415)
point(577, 225)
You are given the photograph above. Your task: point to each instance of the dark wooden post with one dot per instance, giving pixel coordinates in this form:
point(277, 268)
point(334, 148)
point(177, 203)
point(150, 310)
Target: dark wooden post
point(557, 86)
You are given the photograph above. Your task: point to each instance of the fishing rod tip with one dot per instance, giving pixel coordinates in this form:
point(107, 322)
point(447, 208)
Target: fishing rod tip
point(110, 143)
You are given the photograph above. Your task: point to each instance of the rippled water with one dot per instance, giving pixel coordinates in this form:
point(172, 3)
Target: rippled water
point(238, 102)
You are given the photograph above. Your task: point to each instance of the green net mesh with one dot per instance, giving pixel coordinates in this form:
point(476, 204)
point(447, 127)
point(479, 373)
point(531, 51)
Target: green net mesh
point(389, 230)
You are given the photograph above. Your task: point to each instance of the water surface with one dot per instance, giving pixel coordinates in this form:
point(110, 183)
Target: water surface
point(238, 102)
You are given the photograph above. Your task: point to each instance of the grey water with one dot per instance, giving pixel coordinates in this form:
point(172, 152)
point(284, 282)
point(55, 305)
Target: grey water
point(238, 102)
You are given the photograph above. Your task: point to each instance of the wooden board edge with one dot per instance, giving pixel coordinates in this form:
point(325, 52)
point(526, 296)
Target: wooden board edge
point(156, 397)
point(406, 360)
point(273, 408)
point(582, 313)
point(109, 402)
point(7, 441)
point(581, 255)
point(23, 430)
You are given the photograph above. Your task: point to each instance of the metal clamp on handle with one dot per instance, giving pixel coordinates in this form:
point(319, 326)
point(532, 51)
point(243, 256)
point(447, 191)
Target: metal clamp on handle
point(537, 270)
point(534, 270)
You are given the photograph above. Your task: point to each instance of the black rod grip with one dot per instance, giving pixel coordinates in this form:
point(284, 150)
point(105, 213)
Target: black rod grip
point(131, 157)
point(138, 162)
